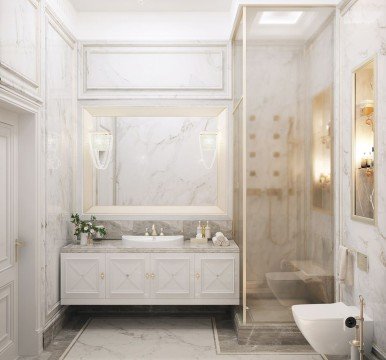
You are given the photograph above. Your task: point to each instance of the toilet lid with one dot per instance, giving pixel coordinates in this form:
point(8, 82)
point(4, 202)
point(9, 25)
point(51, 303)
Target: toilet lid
point(325, 311)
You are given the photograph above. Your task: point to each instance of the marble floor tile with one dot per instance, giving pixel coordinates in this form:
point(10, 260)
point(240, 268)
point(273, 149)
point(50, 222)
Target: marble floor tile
point(156, 338)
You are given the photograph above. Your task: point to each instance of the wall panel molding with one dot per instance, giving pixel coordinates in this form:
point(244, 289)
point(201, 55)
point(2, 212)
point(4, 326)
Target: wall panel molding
point(20, 38)
point(167, 70)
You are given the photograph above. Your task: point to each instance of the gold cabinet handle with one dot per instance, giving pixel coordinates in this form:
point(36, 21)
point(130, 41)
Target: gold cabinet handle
point(102, 275)
point(198, 276)
point(147, 276)
point(152, 275)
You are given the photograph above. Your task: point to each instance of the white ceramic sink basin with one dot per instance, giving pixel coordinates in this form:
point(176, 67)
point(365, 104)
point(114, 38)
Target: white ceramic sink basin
point(152, 241)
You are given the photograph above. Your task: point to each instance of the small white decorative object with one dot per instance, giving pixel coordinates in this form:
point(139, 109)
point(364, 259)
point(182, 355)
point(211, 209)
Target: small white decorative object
point(208, 148)
point(220, 240)
point(83, 238)
point(101, 145)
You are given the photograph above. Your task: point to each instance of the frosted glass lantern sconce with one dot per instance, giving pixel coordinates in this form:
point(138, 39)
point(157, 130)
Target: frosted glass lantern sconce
point(208, 148)
point(101, 145)
point(367, 109)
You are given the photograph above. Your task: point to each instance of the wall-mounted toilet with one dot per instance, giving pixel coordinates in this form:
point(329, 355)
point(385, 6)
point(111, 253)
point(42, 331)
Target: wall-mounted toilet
point(323, 327)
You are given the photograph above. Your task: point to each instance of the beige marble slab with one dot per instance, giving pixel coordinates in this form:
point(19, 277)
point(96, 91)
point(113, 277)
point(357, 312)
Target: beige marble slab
point(116, 246)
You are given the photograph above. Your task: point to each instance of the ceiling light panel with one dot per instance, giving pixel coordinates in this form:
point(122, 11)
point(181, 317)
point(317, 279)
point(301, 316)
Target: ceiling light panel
point(280, 17)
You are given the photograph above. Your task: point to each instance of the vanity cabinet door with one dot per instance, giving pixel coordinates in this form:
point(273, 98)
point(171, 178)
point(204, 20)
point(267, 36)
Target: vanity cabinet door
point(128, 275)
point(83, 276)
point(217, 275)
point(172, 276)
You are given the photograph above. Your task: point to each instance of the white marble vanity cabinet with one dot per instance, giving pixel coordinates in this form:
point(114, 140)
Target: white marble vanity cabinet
point(111, 274)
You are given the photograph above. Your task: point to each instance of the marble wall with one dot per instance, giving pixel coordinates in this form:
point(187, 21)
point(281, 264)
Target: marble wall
point(60, 153)
point(164, 151)
point(187, 71)
point(19, 42)
point(188, 228)
point(363, 35)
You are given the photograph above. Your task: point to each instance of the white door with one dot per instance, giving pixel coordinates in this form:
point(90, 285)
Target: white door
point(128, 276)
point(83, 276)
point(217, 275)
point(172, 276)
point(8, 233)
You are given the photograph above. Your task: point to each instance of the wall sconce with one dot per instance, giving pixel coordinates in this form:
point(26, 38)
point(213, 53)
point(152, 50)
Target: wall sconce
point(208, 148)
point(324, 180)
point(101, 145)
point(367, 109)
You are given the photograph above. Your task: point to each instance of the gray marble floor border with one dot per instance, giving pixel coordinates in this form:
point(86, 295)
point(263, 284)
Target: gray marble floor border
point(75, 339)
point(254, 352)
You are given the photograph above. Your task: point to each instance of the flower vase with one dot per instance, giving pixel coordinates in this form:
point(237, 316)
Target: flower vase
point(90, 240)
point(83, 239)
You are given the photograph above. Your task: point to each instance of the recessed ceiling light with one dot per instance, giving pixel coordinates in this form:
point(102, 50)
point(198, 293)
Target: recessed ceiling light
point(280, 17)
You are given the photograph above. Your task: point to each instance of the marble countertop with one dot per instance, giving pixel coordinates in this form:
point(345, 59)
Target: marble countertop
point(115, 246)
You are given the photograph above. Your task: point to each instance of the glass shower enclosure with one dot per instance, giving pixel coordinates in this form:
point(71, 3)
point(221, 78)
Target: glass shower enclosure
point(283, 159)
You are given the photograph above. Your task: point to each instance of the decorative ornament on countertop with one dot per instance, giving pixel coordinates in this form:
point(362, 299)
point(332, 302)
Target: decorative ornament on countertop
point(87, 230)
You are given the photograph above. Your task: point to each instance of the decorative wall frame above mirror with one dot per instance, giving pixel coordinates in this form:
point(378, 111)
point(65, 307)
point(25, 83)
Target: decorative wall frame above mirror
point(364, 107)
point(155, 162)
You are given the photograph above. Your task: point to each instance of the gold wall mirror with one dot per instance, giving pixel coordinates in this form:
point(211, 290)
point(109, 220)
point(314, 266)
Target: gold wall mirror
point(363, 150)
point(322, 150)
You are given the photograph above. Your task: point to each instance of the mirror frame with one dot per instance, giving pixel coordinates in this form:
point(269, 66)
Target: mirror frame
point(354, 216)
point(85, 182)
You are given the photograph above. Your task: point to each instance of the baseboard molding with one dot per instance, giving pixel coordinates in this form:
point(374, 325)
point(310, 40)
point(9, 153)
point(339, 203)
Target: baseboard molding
point(54, 325)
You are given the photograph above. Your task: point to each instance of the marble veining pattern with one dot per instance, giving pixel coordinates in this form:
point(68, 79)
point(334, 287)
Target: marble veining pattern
point(193, 71)
point(60, 151)
point(115, 246)
point(156, 338)
point(156, 162)
point(363, 34)
point(188, 228)
point(18, 42)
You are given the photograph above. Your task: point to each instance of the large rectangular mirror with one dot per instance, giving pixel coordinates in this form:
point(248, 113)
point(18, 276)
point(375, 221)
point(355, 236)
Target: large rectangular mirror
point(364, 124)
point(150, 161)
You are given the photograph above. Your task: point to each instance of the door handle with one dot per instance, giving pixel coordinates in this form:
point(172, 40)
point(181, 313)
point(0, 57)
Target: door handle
point(18, 245)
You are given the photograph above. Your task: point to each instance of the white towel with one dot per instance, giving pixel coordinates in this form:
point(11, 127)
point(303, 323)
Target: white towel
point(343, 254)
point(220, 240)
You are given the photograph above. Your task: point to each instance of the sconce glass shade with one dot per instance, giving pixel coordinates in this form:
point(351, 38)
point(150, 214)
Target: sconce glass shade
point(367, 107)
point(101, 145)
point(208, 148)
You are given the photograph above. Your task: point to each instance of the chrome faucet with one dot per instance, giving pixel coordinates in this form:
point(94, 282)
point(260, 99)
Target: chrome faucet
point(153, 231)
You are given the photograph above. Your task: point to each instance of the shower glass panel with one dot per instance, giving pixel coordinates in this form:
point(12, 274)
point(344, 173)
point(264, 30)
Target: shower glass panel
point(239, 153)
point(288, 239)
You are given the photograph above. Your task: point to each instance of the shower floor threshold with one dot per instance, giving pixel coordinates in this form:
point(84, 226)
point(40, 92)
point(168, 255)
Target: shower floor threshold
point(269, 333)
